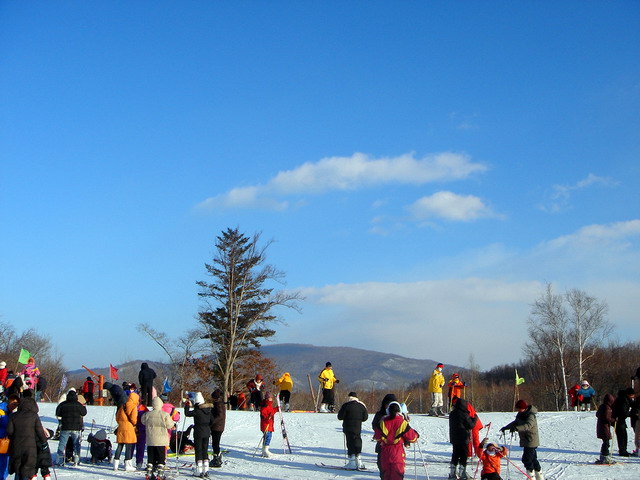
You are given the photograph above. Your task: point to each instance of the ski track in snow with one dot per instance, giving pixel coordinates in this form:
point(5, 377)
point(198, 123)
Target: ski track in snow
point(568, 447)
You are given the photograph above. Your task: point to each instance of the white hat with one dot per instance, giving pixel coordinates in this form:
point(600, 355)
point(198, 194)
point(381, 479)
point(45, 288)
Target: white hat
point(3, 364)
point(198, 399)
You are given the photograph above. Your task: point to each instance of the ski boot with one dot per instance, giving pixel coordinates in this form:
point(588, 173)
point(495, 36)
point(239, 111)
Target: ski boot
point(149, 473)
point(216, 461)
point(351, 463)
point(462, 472)
point(452, 472)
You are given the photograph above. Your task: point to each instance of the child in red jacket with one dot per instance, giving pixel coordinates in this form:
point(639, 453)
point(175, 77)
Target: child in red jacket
point(267, 414)
point(393, 433)
point(490, 455)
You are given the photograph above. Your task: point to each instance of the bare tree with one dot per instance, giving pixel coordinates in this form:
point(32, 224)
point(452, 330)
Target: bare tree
point(549, 326)
point(238, 304)
point(589, 325)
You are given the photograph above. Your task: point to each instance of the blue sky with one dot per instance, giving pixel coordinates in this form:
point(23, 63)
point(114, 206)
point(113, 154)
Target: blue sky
point(423, 168)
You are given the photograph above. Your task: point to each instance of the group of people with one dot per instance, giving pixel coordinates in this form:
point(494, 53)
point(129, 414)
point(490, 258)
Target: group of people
point(28, 378)
point(435, 387)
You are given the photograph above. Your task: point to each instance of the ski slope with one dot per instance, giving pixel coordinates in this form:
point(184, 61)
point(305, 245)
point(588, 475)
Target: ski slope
point(568, 446)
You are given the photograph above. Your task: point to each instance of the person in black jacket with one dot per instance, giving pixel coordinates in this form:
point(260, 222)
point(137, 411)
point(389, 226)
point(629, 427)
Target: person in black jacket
point(41, 387)
point(117, 393)
point(353, 413)
point(70, 413)
point(218, 419)
point(201, 414)
point(26, 432)
point(621, 408)
point(145, 379)
point(460, 426)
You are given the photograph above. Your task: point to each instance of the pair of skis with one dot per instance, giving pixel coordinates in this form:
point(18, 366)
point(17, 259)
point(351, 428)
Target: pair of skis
point(283, 428)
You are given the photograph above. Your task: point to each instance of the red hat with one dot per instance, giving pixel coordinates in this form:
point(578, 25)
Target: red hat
point(440, 365)
point(258, 377)
point(456, 375)
point(521, 405)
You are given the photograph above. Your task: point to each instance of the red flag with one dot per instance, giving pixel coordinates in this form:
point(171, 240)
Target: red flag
point(113, 372)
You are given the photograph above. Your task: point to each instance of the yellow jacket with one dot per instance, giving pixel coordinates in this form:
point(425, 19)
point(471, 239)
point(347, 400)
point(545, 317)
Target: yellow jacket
point(436, 382)
point(327, 378)
point(284, 382)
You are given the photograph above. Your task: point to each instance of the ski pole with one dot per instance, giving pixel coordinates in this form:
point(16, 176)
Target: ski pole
point(488, 427)
point(259, 443)
point(424, 463)
point(518, 468)
point(415, 462)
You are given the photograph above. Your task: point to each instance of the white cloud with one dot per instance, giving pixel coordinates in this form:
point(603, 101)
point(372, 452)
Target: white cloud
point(450, 206)
point(558, 199)
point(347, 173)
point(599, 235)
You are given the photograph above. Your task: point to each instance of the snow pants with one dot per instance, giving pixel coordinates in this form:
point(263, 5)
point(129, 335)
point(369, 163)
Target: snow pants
point(215, 441)
point(530, 459)
point(459, 454)
point(201, 445)
point(354, 443)
point(621, 435)
point(436, 400)
point(156, 455)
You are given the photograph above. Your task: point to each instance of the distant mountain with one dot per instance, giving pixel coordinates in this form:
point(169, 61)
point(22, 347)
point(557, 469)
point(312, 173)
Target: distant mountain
point(356, 368)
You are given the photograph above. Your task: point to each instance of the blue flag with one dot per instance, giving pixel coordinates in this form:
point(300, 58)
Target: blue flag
point(166, 388)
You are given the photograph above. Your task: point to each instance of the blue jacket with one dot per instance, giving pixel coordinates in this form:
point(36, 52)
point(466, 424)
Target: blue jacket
point(587, 393)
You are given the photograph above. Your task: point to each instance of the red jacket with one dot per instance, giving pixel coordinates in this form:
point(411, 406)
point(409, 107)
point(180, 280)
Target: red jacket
point(267, 414)
point(392, 434)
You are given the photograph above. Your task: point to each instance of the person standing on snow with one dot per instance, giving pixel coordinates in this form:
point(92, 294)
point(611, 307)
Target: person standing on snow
point(603, 428)
point(585, 394)
point(526, 425)
point(255, 386)
point(87, 390)
point(286, 386)
point(145, 379)
point(574, 401)
point(393, 434)
point(456, 388)
point(621, 409)
point(25, 432)
point(460, 426)
point(328, 380)
point(388, 398)
point(353, 413)
point(201, 414)
point(156, 423)
point(31, 374)
point(267, 416)
point(127, 418)
point(218, 420)
point(436, 382)
point(71, 415)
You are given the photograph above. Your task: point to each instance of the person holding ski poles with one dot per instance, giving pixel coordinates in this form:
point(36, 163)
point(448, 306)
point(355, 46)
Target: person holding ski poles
point(436, 382)
point(585, 394)
point(526, 425)
point(201, 413)
point(328, 380)
point(267, 416)
point(490, 455)
point(353, 413)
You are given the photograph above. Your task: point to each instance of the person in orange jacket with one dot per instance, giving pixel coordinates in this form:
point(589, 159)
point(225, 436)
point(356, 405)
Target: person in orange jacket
point(456, 388)
point(490, 455)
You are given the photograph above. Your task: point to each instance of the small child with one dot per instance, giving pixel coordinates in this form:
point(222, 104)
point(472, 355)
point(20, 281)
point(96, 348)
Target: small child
point(100, 446)
point(267, 415)
point(603, 428)
point(43, 457)
point(490, 455)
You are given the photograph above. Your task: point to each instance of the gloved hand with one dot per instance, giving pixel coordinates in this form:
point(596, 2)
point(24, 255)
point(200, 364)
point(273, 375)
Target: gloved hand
point(512, 429)
point(484, 442)
point(503, 429)
point(337, 381)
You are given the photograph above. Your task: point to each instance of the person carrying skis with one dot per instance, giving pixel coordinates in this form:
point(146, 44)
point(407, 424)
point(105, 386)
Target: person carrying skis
point(393, 433)
point(621, 409)
point(87, 390)
point(156, 422)
point(352, 413)
point(201, 413)
point(286, 386)
point(255, 392)
point(267, 416)
point(145, 379)
point(490, 455)
point(526, 425)
point(328, 380)
point(603, 428)
point(460, 425)
point(585, 394)
point(436, 382)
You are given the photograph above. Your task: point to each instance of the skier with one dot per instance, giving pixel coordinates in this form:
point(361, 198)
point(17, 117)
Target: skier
point(145, 379)
point(87, 390)
point(201, 414)
point(603, 428)
point(328, 380)
point(156, 422)
point(267, 415)
point(393, 433)
point(255, 392)
point(621, 408)
point(526, 425)
point(388, 398)
point(585, 394)
point(460, 426)
point(286, 386)
point(490, 455)
point(456, 387)
point(25, 432)
point(218, 419)
point(436, 382)
point(127, 417)
point(573, 396)
point(70, 413)
point(353, 413)
point(31, 374)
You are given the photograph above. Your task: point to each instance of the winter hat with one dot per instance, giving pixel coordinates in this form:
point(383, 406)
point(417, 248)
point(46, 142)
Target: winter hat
point(216, 394)
point(101, 435)
point(328, 364)
point(353, 394)
point(72, 389)
point(440, 365)
point(198, 399)
point(88, 378)
point(455, 375)
point(584, 382)
point(107, 385)
point(393, 403)
point(258, 376)
point(3, 364)
point(521, 405)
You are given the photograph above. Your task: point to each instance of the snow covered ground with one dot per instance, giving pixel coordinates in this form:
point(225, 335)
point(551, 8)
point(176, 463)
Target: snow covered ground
point(568, 446)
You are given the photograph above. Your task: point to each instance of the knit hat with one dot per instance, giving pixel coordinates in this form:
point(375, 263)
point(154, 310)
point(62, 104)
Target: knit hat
point(440, 365)
point(198, 399)
point(584, 382)
point(328, 364)
point(353, 394)
point(3, 364)
point(258, 376)
point(521, 405)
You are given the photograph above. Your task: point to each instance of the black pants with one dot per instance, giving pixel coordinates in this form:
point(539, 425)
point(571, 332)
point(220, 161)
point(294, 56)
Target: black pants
point(328, 397)
point(201, 445)
point(128, 451)
point(354, 443)
point(604, 450)
point(285, 396)
point(156, 455)
point(215, 441)
point(530, 459)
point(146, 392)
point(459, 454)
point(621, 435)
point(491, 476)
point(256, 399)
